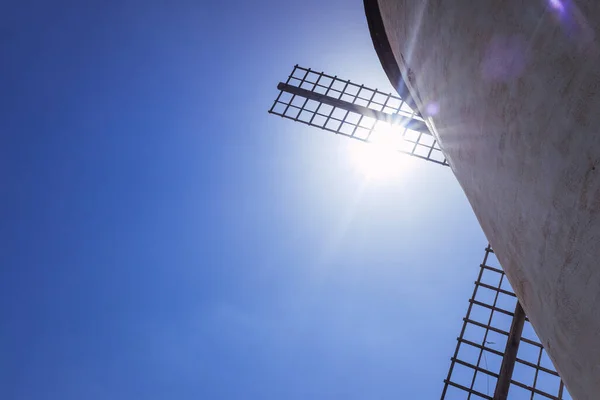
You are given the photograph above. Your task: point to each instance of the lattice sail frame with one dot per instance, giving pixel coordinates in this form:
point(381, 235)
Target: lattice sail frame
point(355, 111)
point(477, 360)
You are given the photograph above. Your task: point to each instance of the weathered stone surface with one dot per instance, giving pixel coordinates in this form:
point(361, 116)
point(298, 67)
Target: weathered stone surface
point(515, 87)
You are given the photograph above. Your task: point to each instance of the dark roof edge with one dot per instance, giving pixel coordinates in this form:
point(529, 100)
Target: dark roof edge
point(384, 51)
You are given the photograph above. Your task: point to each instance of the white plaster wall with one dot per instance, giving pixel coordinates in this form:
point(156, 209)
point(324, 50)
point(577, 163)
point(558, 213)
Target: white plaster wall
point(516, 85)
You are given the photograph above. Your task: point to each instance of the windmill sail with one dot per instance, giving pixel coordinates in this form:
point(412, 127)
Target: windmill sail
point(484, 349)
point(355, 111)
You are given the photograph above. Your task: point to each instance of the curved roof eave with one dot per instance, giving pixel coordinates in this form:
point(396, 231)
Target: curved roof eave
point(385, 53)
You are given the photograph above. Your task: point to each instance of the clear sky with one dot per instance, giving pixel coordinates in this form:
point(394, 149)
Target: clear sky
point(163, 237)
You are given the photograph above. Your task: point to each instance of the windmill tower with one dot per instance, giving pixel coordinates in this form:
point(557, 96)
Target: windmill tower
point(498, 354)
point(515, 87)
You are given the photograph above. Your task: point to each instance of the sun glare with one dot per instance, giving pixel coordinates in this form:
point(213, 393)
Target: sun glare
point(379, 159)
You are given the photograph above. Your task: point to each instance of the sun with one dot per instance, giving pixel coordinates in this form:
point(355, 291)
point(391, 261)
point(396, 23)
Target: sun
point(379, 159)
point(374, 161)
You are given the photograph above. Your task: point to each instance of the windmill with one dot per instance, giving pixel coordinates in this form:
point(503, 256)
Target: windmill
point(498, 355)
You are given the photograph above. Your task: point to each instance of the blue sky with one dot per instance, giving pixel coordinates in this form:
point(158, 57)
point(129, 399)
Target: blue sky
point(164, 237)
